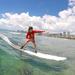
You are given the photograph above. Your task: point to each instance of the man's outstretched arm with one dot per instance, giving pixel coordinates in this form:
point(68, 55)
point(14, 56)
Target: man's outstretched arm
point(38, 31)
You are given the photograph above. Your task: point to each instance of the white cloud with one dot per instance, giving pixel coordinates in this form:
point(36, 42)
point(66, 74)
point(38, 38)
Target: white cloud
point(64, 22)
point(71, 3)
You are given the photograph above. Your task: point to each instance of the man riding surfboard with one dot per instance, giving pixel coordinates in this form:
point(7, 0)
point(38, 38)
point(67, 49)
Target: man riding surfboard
point(30, 37)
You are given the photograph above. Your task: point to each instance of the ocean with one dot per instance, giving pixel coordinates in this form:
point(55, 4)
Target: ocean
point(12, 63)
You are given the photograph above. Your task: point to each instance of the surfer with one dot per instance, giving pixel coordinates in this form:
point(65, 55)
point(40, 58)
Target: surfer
point(30, 37)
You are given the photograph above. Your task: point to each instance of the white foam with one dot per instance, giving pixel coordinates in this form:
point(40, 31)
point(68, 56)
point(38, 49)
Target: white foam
point(15, 33)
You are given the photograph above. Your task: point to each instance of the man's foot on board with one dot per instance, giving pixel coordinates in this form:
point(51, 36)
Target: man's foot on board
point(35, 51)
point(21, 47)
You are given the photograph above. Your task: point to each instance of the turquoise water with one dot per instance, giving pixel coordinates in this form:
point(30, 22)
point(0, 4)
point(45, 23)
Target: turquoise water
point(11, 63)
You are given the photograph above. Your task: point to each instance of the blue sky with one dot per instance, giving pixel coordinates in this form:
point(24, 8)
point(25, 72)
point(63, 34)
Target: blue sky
point(34, 7)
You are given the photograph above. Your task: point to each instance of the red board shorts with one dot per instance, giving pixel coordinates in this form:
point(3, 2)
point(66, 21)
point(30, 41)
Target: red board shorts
point(30, 40)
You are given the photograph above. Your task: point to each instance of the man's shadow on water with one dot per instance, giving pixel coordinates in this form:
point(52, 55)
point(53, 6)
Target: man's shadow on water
point(57, 67)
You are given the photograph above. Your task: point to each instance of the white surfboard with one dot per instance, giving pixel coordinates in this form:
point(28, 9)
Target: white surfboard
point(38, 54)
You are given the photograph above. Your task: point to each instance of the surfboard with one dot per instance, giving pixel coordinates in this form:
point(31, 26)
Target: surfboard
point(38, 54)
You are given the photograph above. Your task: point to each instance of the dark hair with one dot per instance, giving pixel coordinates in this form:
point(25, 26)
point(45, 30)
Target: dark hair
point(30, 27)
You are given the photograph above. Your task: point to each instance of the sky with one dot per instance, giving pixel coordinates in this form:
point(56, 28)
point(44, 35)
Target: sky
point(49, 15)
point(34, 7)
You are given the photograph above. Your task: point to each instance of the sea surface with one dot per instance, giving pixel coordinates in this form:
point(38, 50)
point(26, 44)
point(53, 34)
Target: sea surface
point(13, 63)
